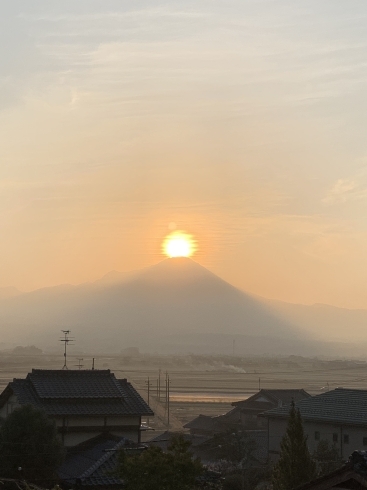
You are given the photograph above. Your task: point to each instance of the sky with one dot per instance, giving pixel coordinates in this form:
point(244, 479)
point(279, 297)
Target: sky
point(241, 121)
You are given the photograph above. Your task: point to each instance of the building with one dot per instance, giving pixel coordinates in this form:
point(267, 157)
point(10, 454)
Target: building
point(338, 416)
point(205, 425)
point(84, 404)
point(351, 476)
point(342, 479)
point(246, 412)
point(92, 464)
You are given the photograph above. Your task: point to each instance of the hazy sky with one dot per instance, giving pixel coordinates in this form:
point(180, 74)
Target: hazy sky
point(242, 121)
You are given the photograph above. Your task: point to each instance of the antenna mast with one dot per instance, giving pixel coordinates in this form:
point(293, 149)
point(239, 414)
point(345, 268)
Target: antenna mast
point(66, 341)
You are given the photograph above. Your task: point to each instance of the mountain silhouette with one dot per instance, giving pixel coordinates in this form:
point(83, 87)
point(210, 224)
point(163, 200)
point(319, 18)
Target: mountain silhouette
point(163, 307)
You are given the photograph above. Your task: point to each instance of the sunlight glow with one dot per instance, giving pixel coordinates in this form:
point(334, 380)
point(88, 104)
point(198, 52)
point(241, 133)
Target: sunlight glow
point(179, 244)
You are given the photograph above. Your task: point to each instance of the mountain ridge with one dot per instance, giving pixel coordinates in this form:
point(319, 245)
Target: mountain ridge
point(175, 298)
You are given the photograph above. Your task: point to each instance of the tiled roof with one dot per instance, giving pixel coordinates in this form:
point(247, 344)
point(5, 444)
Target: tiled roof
point(275, 397)
point(344, 477)
point(48, 389)
point(206, 422)
point(202, 422)
point(95, 464)
point(74, 384)
point(346, 406)
point(286, 396)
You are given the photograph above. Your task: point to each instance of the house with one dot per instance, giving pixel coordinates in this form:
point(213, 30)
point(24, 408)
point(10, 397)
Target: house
point(84, 404)
point(338, 416)
point(92, 464)
point(344, 478)
point(351, 476)
point(246, 411)
point(205, 425)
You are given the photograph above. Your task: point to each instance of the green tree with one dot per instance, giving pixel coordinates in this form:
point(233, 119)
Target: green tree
point(295, 465)
point(29, 446)
point(154, 469)
point(327, 457)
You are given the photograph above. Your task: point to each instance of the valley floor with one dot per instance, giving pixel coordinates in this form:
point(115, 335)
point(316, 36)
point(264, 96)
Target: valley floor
point(201, 384)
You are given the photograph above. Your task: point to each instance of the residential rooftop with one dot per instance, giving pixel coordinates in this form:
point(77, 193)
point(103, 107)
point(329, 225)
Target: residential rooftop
point(77, 392)
point(342, 406)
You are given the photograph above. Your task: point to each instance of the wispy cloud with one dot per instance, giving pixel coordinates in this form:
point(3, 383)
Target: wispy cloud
point(345, 190)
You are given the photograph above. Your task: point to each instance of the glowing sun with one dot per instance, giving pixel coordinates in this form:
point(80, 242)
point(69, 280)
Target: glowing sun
point(179, 244)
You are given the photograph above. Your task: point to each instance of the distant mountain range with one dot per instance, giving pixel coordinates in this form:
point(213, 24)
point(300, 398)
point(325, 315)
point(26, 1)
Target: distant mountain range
point(175, 306)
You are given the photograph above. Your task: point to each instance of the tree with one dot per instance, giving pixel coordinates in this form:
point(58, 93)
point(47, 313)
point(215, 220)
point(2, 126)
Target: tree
point(295, 465)
point(237, 446)
point(327, 457)
point(233, 445)
point(154, 469)
point(29, 446)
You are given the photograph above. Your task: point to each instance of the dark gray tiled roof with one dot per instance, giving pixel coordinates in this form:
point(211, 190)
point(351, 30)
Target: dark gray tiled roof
point(286, 396)
point(75, 384)
point(346, 406)
point(202, 422)
point(95, 464)
point(38, 390)
point(275, 397)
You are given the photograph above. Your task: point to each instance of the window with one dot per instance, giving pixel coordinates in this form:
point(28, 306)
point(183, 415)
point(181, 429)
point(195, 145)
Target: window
point(317, 436)
point(346, 439)
point(365, 441)
point(335, 437)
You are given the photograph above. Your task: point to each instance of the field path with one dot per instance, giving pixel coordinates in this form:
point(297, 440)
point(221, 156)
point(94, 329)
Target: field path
point(159, 410)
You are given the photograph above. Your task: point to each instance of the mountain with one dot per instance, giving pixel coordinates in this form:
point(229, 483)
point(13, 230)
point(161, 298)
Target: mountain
point(177, 306)
point(9, 292)
point(174, 306)
point(324, 321)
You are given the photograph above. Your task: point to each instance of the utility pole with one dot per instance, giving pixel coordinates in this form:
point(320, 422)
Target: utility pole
point(66, 341)
point(168, 401)
point(166, 394)
point(148, 383)
point(259, 383)
point(159, 385)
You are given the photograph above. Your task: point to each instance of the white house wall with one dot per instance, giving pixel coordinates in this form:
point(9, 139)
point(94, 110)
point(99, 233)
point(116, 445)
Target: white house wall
point(277, 429)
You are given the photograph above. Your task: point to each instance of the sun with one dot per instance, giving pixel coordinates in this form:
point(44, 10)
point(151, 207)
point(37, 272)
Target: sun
point(179, 244)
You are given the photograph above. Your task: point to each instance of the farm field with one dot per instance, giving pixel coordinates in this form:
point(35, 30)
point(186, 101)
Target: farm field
point(202, 384)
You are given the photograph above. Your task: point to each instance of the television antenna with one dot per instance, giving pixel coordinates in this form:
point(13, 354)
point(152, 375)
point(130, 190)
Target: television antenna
point(67, 340)
point(80, 365)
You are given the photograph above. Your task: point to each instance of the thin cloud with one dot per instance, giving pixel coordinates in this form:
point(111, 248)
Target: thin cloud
point(345, 190)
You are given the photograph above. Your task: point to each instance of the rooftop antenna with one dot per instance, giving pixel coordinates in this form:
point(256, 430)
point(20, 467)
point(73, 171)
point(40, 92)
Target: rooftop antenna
point(80, 365)
point(66, 341)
